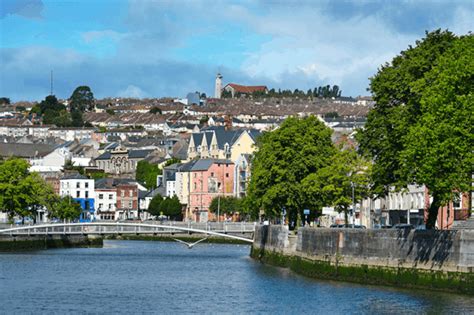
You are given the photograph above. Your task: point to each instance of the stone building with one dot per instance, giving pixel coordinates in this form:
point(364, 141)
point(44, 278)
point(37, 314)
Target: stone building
point(121, 160)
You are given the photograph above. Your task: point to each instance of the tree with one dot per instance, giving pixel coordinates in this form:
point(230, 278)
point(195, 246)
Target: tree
point(333, 184)
point(154, 206)
point(420, 130)
point(172, 161)
point(228, 205)
point(155, 110)
point(64, 208)
point(204, 120)
point(4, 101)
point(171, 207)
point(21, 192)
point(110, 111)
point(82, 99)
point(284, 158)
point(147, 173)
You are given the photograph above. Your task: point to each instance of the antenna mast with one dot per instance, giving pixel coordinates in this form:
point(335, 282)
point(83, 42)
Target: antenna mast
point(51, 83)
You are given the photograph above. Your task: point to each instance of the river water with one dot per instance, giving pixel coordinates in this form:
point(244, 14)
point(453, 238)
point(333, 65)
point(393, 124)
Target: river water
point(132, 277)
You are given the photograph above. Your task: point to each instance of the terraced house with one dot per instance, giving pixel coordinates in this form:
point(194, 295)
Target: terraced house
point(219, 143)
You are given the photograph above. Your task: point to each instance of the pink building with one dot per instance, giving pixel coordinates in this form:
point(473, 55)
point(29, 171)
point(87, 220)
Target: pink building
point(209, 179)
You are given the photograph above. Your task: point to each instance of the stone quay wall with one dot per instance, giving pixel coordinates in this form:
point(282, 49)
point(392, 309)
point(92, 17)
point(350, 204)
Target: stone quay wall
point(440, 260)
point(23, 242)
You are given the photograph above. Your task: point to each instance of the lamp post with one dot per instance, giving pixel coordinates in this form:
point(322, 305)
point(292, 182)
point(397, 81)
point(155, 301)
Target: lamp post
point(353, 204)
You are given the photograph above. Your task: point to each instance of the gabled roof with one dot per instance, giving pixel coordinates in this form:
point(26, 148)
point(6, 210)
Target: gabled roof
point(205, 164)
point(25, 150)
point(247, 89)
point(226, 136)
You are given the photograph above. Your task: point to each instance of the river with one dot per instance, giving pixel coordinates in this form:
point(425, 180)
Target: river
point(131, 277)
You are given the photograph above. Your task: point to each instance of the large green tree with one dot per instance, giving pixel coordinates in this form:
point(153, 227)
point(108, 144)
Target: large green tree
point(283, 160)
point(21, 193)
point(420, 130)
point(82, 99)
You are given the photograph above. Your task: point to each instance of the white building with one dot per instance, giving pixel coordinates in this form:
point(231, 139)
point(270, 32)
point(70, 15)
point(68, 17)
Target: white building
point(81, 189)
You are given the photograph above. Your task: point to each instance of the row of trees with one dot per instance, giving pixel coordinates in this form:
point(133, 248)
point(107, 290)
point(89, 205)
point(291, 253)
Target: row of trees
point(320, 91)
point(23, 193)
point(56, 113)
point(419, 132)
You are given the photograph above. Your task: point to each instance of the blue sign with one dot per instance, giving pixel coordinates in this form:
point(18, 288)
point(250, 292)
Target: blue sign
point(306, 211)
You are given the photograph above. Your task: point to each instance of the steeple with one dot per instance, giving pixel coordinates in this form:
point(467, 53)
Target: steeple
point(218, 87)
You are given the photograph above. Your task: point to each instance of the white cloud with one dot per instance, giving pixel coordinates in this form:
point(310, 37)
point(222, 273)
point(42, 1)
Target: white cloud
point(132, 91)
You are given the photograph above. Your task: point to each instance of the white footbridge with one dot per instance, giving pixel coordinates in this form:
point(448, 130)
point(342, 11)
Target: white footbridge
point(241, 231)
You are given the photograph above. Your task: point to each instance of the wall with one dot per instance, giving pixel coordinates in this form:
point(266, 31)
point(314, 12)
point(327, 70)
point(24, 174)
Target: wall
point(440, 260)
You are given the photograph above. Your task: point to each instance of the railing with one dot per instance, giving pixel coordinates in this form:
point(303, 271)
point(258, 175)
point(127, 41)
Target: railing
point(224, 229)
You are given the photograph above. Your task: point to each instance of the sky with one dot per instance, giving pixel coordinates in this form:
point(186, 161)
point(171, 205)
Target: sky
point(163, 48)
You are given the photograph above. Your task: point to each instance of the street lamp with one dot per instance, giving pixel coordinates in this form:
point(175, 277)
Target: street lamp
point(353, 204)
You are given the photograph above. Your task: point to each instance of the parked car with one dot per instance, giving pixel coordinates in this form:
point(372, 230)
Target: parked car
point(349, 226)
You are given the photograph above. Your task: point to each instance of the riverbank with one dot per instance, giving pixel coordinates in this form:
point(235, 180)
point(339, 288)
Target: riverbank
point(181, 236)
point(25, 243)
point(440, 261)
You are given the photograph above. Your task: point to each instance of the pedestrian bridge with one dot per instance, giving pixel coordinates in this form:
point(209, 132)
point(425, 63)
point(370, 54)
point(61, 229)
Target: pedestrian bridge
point(227, 230)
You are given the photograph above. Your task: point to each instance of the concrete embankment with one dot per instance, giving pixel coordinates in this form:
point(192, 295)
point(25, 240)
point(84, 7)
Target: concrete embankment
point(438, 260)
point(22, 243)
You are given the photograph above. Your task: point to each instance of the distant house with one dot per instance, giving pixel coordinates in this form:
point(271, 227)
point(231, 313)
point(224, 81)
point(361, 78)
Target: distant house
point(235, 89)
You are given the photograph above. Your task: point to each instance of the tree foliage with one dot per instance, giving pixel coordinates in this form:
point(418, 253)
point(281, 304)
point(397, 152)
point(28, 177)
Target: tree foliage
point(227, 205)
point(21, 193)
point(283, 160)
point(82, 99)
point(155, 110)
point(154, 206)
point(420, 130)
point(171, 207)
point(146, 173)
point(64, 208)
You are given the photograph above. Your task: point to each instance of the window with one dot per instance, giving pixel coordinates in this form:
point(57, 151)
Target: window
point(78, 185)
point(111, 196)
point(77, 194)
point(101, 196)
point(110, 206)
point(212, 174)
point(122, 193)
point(87, 194)
point(226, 174)
point(130, 204)
point(131, 193)
point(100, 206)
point(457, 201)
point(195, 186)
point(123, 204)
point(86, 184)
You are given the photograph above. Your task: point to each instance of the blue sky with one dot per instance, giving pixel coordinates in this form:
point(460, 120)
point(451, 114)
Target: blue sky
point(168, 48)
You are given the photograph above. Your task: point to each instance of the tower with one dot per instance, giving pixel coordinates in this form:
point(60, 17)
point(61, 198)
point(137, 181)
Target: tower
point(218, 87)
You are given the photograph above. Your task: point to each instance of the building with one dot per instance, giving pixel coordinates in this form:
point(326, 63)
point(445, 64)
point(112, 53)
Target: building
point(242, 175)
point(106, 199)
point(121, 160)
point(218, 86)
point(209, 178)
point(237, 89)
point(127, 200)
point(219, 143)
point(81, 189)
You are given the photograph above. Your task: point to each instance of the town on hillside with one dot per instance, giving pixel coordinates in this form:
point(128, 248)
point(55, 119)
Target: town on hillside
point(113, 156)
